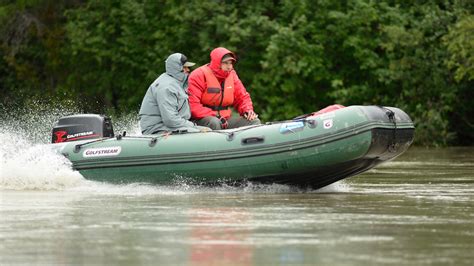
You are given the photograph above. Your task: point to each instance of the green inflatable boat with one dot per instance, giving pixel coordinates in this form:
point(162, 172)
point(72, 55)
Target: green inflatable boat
point(312, 150)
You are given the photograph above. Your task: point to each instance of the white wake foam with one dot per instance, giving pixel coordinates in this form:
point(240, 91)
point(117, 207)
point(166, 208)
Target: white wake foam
point(28, 166)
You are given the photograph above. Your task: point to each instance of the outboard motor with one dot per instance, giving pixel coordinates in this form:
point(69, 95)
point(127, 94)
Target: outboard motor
point(80, 127)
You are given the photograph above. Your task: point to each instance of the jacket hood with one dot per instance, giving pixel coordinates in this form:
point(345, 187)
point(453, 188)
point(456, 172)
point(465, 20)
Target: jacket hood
point(174, 67)
point(215, 65)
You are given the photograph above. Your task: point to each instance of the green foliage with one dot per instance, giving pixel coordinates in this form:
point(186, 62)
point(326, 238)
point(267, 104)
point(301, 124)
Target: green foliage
point(294, 56)
point(32, 37)
point(110, 50)
point(460, 44)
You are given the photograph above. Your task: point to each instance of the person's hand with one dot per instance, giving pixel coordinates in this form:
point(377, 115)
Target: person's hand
point(250, 115)
point(224, 123)
point(204, 129)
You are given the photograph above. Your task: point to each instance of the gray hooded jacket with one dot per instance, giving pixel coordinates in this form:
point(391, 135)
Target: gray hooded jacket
point(165, 106)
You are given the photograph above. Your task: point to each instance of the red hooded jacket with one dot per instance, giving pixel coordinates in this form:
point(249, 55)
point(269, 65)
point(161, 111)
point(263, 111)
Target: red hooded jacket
point(197, 85)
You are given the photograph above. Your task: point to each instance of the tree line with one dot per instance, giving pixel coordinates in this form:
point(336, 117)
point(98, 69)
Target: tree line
point(294, 57)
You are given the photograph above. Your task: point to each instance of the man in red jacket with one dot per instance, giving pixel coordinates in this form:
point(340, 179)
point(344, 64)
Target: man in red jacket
point(214, 88)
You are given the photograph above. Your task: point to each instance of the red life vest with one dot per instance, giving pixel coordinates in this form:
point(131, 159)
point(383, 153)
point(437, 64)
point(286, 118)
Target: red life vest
point(215, 96)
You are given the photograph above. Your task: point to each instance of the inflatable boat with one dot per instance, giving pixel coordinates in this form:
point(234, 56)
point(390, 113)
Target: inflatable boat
point(313, 150)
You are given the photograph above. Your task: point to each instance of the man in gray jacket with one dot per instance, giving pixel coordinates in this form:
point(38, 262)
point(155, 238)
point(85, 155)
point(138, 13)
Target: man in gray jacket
point(165, 106)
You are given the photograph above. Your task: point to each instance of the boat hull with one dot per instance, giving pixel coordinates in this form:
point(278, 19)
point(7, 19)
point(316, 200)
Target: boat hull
point(311, 152)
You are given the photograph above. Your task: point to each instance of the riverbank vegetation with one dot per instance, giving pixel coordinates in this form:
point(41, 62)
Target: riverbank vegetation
point(294, 56)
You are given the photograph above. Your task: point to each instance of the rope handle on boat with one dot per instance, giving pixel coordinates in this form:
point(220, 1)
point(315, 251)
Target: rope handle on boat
point(230, 135)
point(153, 140)
point(78, 147)
point(311, 122)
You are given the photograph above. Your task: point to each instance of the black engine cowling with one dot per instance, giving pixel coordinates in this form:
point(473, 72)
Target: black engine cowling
point(80, 127)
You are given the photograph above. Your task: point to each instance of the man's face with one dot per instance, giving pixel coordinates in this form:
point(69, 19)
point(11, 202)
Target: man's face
point(186, 70)
point(227, 65)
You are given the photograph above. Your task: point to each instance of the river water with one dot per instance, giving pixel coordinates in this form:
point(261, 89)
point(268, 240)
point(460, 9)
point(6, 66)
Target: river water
point(415, 210)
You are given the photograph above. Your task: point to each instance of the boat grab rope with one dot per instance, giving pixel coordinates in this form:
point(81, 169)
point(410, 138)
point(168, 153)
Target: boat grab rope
point(153, 140)
point(230, 134)
point(78, 147)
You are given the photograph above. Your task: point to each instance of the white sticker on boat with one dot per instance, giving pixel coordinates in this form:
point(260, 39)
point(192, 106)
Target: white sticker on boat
point(291, 127)
point(100, 152)
point(327, 123)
